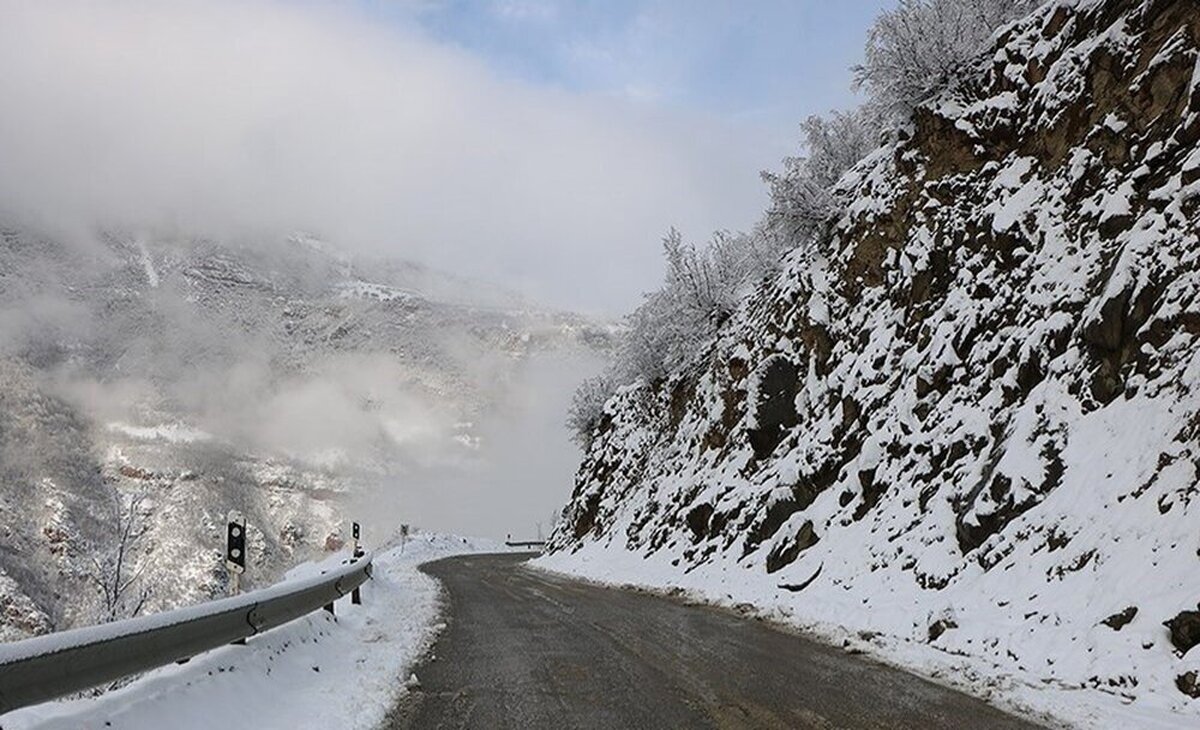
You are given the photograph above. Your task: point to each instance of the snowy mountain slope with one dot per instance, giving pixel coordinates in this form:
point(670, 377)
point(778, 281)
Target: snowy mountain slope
point(200, 376)
point(320, 671)
point(968, 420)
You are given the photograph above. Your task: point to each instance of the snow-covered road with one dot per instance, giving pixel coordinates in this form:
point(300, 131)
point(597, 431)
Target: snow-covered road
point(319, 671)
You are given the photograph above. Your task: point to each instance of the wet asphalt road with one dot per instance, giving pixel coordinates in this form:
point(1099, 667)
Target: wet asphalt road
point(523, 649)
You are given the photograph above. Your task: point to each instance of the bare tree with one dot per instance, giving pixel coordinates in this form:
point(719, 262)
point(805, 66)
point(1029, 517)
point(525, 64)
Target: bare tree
point(117, 568)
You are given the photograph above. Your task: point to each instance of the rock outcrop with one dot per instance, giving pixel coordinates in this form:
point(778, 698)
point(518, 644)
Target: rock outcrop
point(979, 392)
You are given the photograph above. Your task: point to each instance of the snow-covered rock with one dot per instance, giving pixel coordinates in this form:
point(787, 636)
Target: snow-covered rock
point(967, 423)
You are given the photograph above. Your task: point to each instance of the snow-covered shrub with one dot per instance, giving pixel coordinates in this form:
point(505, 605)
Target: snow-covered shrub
point(920, 47)
point(802, 195)
point(700, 291)
point(649, 334)
point(702, 283)
point(587, 406)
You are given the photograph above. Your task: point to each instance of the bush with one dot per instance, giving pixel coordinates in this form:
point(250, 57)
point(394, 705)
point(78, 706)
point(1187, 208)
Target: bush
point(587, 407)
point(802, 196)
point(920, 47)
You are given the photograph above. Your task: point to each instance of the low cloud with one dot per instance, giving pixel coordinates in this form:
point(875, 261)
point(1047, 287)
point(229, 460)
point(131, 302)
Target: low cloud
point(257, 118)
point(515, 474)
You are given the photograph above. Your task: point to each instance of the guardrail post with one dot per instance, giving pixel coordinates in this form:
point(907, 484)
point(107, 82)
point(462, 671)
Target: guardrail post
point(355, 595)
point(235, 556)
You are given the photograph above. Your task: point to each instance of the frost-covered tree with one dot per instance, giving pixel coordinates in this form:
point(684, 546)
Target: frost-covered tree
point(702, 283)
point(649, 332)
point(700, 291)
point(587, 407)
point(116, 571)
point(802, 195)
point(920, 47)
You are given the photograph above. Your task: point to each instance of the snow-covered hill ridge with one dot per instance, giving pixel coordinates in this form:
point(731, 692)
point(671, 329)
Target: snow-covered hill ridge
point(969, 417)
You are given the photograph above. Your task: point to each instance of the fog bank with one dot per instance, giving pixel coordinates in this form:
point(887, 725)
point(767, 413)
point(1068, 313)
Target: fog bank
point(235, 118)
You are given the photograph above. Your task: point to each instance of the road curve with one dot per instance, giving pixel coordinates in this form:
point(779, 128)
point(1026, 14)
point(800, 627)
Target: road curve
point(523, 649)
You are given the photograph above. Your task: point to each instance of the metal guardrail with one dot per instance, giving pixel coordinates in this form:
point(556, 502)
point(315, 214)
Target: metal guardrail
point(45, 667)
point(525, 543)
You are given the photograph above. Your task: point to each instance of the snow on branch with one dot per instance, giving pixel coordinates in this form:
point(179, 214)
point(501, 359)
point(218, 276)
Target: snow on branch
point(920, 47)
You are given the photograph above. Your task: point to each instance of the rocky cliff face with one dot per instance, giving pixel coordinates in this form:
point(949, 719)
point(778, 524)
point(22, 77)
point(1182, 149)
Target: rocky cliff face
point(969, 416)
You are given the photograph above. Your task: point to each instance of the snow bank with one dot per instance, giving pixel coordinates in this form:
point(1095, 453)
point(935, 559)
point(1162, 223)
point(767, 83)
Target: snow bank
point(886, 635)
point(174, 433)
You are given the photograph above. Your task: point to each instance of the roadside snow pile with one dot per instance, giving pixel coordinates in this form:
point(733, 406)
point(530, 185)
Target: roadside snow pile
point(319, 671)
point(943, 645)
point(965, 421)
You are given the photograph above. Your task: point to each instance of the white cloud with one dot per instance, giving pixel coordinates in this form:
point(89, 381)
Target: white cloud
point(230, 117)
point(525, 10)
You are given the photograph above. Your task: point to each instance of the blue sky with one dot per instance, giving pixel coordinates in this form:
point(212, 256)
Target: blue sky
point(768, 63)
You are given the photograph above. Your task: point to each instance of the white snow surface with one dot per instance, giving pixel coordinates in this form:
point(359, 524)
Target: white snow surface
point(173, 433)
point(147, 264)
point(321, 671)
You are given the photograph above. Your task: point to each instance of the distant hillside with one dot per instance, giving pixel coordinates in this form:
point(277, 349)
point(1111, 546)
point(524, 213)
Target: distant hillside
point(180, 378)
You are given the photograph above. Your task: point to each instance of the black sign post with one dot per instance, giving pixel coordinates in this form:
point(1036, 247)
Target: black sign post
point(235, 549)
point(235, 553)
point(355, 595)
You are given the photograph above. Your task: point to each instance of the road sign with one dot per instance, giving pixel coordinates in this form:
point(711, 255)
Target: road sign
point(235, 543)
point(356, 595)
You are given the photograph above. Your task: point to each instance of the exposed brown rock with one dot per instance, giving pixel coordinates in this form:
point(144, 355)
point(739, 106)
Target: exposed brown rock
point(1185, 630)
point(1189, 684)
point(697, 520)
point(133, 472)
point(775, 409)
point(939, 627)
point(785, 553)
point(1118, 621)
